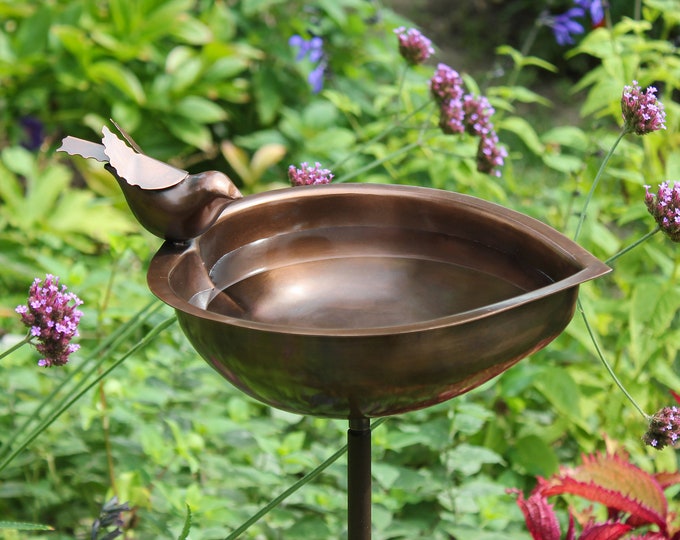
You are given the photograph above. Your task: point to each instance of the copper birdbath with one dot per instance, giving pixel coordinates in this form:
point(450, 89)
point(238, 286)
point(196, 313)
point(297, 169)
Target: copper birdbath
point(349, 301)
point(360, 301)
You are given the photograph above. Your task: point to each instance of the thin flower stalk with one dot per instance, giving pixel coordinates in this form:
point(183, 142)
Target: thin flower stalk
point(596, 181)
point(80, 376)
point(236, 533)
point(27, 339)
point(605, 363)
point(632, 246)
point(148, 338)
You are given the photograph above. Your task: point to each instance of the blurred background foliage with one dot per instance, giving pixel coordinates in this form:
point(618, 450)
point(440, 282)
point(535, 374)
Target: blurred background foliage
point(214, 84)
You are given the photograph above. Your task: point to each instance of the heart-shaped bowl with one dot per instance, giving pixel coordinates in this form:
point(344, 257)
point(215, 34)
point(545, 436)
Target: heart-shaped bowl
point(359, 300)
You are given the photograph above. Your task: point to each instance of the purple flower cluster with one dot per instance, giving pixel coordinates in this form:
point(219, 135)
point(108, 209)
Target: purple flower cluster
point(664, 428)
point(414, 47)
point(460, 112)
point(642, 112)
point(311, 49)
point(565, 25)
point(308, 175)
point(665, 208)
point(53, 319)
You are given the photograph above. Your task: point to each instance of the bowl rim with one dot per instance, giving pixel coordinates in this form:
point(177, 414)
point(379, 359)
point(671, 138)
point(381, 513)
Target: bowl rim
point(170, 254)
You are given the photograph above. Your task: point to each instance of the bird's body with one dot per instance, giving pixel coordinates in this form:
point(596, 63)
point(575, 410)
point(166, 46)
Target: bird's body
point(169, 202)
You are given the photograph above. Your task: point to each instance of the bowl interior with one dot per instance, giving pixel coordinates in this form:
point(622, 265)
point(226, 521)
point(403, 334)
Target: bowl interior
point(336, 258)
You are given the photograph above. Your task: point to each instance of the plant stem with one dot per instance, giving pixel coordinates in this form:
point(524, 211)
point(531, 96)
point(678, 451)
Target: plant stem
point(292, 489)
point(105, 347)
point(582, 217)
point(606, 364)
point(632, 246)
point(384, 133)
point(73, 398)
point(361, 170)
point(16, 346)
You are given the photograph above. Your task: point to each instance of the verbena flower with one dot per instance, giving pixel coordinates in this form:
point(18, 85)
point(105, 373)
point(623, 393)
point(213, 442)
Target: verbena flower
point(460, 113)
point(564, 26)
point(312, 49)
point(490, 155)
point(642, 112)
point(308, 175)
point(452, 116)
point(414, 47)
point(478, 113)
point(446, 84)
point(664, 428)
point(665, 208)
point(52, 318)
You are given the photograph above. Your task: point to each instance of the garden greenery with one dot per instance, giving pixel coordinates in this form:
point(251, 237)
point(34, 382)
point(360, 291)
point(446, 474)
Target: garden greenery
point(136, 420)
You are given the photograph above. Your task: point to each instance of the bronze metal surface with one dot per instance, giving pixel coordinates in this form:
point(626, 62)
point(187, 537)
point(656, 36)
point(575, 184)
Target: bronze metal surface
point(357, 301)
point(168, 202)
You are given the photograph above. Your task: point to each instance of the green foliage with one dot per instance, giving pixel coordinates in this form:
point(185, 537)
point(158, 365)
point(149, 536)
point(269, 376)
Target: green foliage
point(215, 83)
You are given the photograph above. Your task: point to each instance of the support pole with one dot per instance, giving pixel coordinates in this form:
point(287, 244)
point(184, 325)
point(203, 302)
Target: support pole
point(359, 479)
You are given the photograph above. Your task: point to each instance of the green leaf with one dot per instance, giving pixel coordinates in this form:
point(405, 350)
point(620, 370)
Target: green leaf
point(525, 131)
point(187, 525)
point(21, 526)
point(560, 389)
point(522, 61)
point(535, 456)
point(200, 109)
point(517, 93)
point(468, 459)
point(107, 71)
point(570, 136)
point(190, 132)
point(253, 7)
point(193, 31)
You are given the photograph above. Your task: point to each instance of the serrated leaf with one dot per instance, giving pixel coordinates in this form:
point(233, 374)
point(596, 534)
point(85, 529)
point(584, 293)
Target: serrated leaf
point(605, 531)
point(616, 483)
point(539, 516)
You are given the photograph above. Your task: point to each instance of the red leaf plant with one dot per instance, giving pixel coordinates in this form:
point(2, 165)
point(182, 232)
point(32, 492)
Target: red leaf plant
point(637, 507)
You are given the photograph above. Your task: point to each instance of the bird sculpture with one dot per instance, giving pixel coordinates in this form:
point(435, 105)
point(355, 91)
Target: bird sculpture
point(168, 202)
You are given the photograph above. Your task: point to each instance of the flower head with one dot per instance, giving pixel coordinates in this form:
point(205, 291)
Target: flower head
point(594, 7)
point(52, 318)
point(312, 49)
point(490, 155)
point(478, 113)
point(565, 27)
point(665, 208)
point(664, 428)
point(308, 175)
point(642, 112)
point(446, 84)
point(111, 515)
point(414, 47)
point(33, 132)
point(452, 116)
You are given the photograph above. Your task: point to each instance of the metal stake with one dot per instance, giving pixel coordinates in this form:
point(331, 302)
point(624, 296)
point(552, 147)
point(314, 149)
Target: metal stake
point(359, 479)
